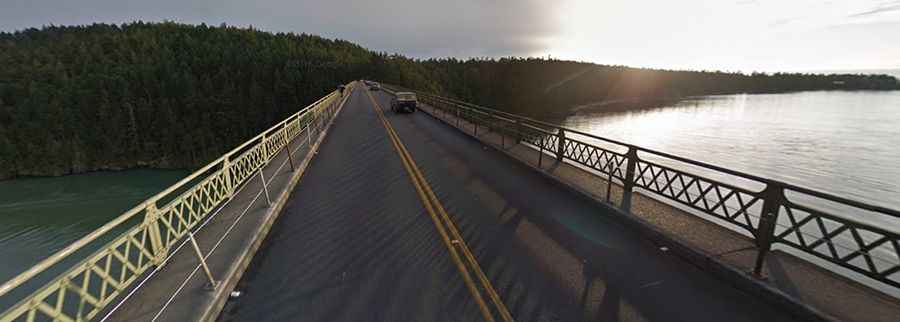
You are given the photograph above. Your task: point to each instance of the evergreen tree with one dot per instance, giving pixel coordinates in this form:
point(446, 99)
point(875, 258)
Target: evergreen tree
point(103, 96)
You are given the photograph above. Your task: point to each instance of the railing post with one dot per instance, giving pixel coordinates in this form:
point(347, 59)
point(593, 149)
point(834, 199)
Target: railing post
point(518, 131)
point(628, 184)
point(490, 123)
point(308, 134)
point(541, 151)
point(316, 120)
point(151, 219)
point(226, 170)
point(287, 147)
point(609, 179)
point(265, 149)
point(773, 198)
point(502, 133)
point(334, 106)
point(561, 145)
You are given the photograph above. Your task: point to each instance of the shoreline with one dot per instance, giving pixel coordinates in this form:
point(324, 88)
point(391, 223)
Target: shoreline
point(88, 172)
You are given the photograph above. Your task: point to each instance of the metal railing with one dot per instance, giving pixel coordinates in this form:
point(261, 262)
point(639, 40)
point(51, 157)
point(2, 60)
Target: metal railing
point(141, 238)
point(770, 212)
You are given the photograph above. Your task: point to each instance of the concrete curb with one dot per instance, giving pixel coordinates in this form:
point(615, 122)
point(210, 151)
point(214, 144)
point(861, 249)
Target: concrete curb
point(237, 269)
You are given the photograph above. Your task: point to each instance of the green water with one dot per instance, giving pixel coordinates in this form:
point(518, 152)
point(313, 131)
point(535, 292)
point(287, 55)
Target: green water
point(39, 216)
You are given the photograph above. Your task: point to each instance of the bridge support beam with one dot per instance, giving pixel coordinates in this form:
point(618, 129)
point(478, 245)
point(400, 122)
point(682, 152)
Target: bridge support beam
point(609, 180)
point(290, 155)
point(212, 281)
point(265, 187)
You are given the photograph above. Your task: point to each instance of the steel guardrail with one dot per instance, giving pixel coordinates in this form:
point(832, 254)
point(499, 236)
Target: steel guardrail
point(770, 211)
point(86, 288)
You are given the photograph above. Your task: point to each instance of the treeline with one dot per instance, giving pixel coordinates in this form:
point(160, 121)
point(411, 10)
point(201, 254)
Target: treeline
point(543, 87)
point(75, 99)
point(83, 98)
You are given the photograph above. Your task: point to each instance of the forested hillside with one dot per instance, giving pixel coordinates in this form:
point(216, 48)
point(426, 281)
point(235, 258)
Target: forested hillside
point(75, 99)
point(83, 98)
point(541, 88)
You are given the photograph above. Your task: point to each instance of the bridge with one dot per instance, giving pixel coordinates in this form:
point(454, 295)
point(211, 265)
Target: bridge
point(346, 211)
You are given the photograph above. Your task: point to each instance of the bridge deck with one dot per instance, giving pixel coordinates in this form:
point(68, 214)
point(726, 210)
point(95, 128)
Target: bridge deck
point(355, 242)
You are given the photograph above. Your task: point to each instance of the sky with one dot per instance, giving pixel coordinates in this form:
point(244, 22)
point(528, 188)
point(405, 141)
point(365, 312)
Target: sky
point(733, 35)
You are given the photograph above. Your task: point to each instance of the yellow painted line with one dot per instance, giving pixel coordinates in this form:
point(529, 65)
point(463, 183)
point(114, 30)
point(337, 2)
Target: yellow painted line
point(485, 311)
point(431, 202)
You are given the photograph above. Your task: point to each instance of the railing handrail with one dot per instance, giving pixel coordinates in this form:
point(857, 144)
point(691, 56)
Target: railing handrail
point(48, 262)
point(744, 175)
point(298, 113)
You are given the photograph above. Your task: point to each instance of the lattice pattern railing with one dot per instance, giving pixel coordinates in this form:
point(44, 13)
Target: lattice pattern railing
point(538, 138)
point(738, 206)
point(596, 158)
point(767, 215)
point(863, 248)
point(246, 164)
point(185, 211)
point(88, 287)
point(91, 285)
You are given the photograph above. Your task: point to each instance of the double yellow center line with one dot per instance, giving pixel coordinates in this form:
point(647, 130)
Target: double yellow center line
point(466, 263)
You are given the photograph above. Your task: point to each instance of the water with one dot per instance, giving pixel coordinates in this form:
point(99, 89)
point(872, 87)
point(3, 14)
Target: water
point(39, 216)
point(846, 143)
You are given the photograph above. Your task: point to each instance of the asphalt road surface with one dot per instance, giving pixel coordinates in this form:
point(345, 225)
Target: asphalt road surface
point(356, 243)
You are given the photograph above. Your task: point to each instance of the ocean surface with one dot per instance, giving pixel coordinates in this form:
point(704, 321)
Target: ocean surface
point(846, 143)
point(843, 142)
point(39, 216)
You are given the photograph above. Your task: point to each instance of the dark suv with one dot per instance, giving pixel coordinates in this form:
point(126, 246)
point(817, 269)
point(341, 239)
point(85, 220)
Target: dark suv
point(404, 102)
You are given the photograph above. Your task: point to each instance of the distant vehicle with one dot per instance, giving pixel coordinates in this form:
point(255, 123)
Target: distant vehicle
point(404, 102)
point(374, 86)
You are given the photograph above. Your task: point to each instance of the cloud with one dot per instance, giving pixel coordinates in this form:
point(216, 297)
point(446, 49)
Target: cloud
point(419, 28)
point(880, 9)
point(782, 21)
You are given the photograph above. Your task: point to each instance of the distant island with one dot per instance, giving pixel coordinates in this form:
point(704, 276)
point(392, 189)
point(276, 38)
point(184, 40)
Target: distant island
point(166, 95)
